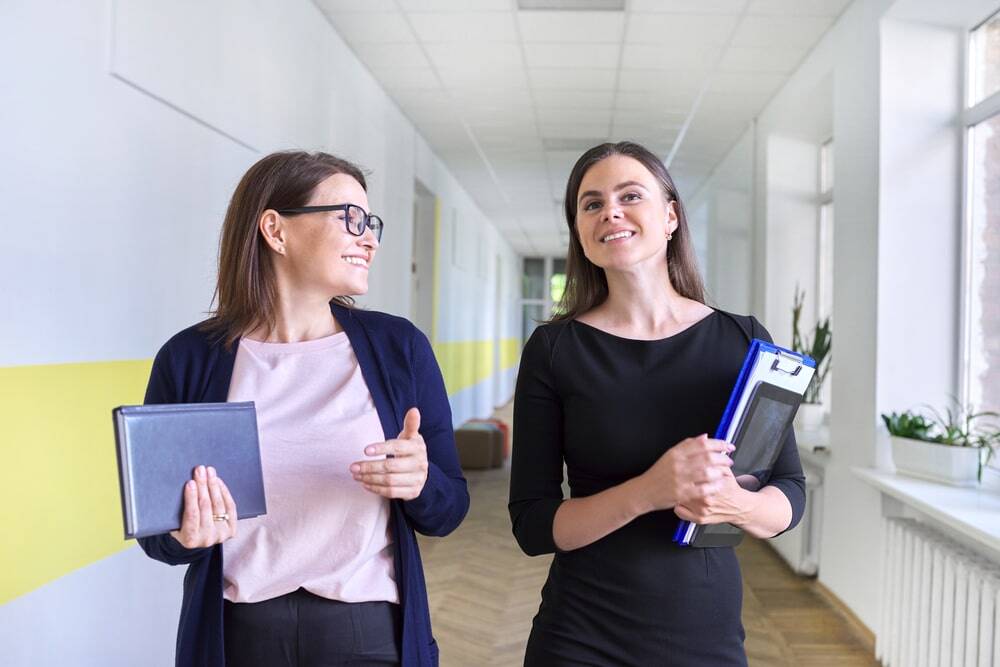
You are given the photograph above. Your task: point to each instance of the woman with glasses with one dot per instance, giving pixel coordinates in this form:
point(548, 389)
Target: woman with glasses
point(356, 438)
point(621, 388)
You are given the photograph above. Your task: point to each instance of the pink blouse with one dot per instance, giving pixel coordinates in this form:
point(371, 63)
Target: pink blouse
point(323, 531)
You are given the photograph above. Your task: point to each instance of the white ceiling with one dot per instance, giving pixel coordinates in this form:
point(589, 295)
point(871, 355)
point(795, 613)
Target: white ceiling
point(510, 98)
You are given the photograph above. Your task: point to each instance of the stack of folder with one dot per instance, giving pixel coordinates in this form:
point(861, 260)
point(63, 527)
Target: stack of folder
point(757, 420)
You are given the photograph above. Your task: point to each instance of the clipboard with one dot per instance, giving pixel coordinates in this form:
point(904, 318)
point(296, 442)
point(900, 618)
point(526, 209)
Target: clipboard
point(765, 364)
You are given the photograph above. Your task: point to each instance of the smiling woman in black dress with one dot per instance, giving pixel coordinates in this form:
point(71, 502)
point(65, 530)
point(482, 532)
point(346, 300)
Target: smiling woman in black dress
point(622, 388)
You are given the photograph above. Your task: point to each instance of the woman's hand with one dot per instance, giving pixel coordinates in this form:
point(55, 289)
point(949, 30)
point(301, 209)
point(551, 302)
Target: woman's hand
point(723, 501)
point(403, 473)
point(209, 511)
point(686, 472)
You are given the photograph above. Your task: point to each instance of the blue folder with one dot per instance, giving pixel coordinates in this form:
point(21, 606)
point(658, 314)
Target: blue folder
point(765, 363)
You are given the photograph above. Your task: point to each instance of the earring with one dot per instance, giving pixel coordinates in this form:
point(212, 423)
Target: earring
point(670, 236)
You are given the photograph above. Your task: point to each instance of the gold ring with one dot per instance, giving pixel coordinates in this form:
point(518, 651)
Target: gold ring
point(221, 517)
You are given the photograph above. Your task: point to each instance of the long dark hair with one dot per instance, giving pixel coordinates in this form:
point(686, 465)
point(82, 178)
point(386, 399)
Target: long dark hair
point(586, 283)
point(245, 293)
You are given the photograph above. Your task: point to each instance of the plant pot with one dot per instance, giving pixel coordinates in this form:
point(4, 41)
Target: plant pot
point(958, 466)
point(809, 416)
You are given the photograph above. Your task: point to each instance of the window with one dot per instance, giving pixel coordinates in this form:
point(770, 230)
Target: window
point(543, 281)
point(981, 367)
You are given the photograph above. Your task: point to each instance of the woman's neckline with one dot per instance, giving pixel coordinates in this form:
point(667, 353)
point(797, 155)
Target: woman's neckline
point(298, 346)
point(672, 336)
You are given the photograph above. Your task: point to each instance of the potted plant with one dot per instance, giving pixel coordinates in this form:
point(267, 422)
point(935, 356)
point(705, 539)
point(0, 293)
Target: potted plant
point(817, 345)
point(952, 448)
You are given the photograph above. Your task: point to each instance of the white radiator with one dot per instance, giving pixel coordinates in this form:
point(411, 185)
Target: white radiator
point(939, 601)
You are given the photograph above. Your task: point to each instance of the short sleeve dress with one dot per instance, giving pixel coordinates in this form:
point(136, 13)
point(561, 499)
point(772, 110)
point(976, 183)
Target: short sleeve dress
point(607, 408)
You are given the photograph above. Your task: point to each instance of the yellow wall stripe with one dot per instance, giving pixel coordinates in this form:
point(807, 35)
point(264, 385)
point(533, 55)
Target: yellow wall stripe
point(60, 509)
point(467, 363)
point(510, 353)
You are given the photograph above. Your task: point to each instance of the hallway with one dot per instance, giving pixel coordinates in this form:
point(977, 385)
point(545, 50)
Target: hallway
point(484, 592)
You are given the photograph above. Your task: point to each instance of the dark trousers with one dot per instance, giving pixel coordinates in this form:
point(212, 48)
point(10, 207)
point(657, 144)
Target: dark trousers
point(304, 630)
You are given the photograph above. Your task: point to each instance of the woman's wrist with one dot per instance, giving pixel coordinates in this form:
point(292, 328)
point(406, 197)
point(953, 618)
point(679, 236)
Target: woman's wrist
point(748, 503)
point(640, 495)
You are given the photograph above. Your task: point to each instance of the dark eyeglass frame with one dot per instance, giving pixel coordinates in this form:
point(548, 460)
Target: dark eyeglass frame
point(368, 221)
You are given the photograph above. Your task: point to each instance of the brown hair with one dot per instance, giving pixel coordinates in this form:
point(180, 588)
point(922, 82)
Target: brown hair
point(245, 293)
point(586, 283)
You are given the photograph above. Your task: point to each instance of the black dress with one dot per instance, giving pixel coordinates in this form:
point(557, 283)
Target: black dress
point(609, 407)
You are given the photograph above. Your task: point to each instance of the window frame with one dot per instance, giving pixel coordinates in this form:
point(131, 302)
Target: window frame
point(971, 116)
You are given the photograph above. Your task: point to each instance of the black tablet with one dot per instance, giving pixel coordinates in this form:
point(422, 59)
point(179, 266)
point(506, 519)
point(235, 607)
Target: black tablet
point(758, 441)
point(762, 430)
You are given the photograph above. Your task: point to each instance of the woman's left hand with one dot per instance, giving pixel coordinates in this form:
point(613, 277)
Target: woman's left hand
point(403, 473)
point(720, 501)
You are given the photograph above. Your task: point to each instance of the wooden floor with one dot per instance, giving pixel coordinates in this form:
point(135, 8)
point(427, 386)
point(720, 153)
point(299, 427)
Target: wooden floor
point(484, 592)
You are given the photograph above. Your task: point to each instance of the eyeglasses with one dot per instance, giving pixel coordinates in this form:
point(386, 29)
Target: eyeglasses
point(355, 218)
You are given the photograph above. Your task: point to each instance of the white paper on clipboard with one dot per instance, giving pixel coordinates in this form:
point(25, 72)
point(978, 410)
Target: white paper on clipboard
point(775, 368)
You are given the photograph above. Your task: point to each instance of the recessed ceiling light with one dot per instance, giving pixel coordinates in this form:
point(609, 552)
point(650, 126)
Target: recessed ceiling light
point(573, 5)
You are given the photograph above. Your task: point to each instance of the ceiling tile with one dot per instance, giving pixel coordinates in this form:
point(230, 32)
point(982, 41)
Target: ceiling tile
point(498, 115)
point(647, 80)
point(745, 104)
point(670, 98)
point(427, 115)
point(446, 137)
point(572, 78)
point(656, 139)
point(331, 6)
point(372, 27)
point(574, 130)
point(406, 54)
point(421, 97)
point(688, 6)
point(549, 54)
point(492, 97)
point(572, 98)
point(687, 29)
point(465, 26)
point(406, 78)
point(780, 31)
point(589, 115)
point(454, 5)
point(798, 7)
point(465, 76)
point(766, 83)
point(779, 60)
point(591, 27)
point(653, 116)
point(696, 58)
point(474, 55)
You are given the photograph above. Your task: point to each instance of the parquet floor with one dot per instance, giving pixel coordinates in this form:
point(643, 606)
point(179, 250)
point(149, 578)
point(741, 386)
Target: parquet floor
point(484, 592)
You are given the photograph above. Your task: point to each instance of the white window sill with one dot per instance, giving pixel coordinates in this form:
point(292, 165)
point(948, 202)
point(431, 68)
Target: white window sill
point(970, 514)
point(814, 447)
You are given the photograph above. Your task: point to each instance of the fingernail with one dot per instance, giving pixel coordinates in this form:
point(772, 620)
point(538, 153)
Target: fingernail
point(369, 450)
point(211, 471)
point(355, 467)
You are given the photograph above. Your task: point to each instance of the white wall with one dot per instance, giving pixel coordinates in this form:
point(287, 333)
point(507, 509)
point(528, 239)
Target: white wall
point(127, 125)
point(792, 230)
point(885, 83)
point(723, 222)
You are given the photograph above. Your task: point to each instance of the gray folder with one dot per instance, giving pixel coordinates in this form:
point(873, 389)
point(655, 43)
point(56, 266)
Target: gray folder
point(159, 447)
